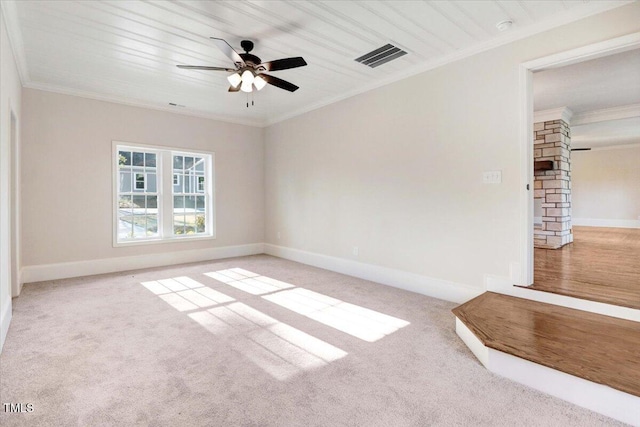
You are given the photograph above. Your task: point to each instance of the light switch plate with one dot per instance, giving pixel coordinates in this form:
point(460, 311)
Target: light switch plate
point(492, 177)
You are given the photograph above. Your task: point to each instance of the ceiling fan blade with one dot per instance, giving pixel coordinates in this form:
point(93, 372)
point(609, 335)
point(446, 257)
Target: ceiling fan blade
point(282, 84)
point(229, 51)
point(234, 89)
point(284, 64)
point(203, 67)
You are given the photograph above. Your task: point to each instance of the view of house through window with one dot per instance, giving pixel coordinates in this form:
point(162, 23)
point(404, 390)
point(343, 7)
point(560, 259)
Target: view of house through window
point(137, 194)
point(145, 176)
point(188, 194)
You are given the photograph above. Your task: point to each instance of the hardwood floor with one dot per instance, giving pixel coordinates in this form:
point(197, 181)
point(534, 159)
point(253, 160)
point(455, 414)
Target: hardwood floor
point(602, 264)
point(598, 348)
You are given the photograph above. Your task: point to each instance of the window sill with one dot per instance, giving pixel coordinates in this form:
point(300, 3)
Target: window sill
point(117, 244)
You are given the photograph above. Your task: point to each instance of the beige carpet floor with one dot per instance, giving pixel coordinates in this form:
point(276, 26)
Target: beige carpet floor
point(271, 343)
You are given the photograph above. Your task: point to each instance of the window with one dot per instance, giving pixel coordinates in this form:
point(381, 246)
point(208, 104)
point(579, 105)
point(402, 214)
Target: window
point(188, 197)
point(162, 194)
point(140, 181)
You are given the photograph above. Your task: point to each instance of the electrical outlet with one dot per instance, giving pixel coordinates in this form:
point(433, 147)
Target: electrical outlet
point(278, 235)
point(355, 251)
point(492, 177)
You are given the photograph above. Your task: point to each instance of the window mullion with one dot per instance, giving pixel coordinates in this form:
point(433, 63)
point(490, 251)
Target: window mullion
point(166, 187)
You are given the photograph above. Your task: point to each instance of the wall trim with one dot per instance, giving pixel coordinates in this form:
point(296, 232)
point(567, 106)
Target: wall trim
point(607, 114)
point(5, 321)
point(600, 222)
point(140, 104)
point(433, 287)
point(562, 113)
point(39, 273)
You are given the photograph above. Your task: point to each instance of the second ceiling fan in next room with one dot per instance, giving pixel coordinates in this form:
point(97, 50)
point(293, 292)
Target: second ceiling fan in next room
point(250, 72)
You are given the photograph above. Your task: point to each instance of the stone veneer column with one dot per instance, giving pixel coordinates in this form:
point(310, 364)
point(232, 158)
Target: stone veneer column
point(552, 141)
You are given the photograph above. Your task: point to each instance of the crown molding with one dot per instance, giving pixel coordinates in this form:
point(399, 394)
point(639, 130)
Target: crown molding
point(142, 104)
point(561, 113)
point(10, 15)
point(515, 34)
point(15, 39)
point(606, 114)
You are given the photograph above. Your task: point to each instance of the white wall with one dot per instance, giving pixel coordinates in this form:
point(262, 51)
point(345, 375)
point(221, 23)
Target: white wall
point(10, 101)
point(398, 171)
point(606, 187)
point(67, 178)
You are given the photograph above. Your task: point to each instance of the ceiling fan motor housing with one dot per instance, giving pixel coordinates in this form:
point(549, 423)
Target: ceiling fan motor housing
point(251, 60)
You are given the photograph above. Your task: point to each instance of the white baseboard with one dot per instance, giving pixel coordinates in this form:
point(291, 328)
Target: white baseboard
point(39, 273)
point(5, 320)
point(437, 288)
point(614, 223)
point(596, 397)
point(503, 285)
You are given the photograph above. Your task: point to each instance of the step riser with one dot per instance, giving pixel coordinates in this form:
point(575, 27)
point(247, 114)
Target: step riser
point(605, 400)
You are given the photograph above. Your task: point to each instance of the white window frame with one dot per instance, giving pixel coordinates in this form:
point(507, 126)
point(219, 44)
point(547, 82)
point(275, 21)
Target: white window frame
point(164, 185)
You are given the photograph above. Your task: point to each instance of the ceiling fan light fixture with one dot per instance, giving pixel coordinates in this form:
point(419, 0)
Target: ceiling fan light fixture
point(247, 76)
point(246, 86)
point(234, 79)
point(259, 82)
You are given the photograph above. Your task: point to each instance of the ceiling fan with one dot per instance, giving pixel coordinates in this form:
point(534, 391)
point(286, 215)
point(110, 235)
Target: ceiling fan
point(249, 71)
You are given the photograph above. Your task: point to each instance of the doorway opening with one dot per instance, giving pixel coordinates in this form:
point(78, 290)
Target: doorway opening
point(583, 215)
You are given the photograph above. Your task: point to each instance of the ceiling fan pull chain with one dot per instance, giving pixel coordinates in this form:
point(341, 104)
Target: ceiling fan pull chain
point(247, 100)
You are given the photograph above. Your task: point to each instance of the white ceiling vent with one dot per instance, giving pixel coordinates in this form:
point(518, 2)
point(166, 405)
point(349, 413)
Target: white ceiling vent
point(381, 55)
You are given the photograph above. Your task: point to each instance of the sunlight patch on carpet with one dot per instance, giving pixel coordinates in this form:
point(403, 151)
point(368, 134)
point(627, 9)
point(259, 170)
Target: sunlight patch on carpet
point(279, 349)
point(360, 322)
point(357, 321)
point(249, 282)
point(186, 294)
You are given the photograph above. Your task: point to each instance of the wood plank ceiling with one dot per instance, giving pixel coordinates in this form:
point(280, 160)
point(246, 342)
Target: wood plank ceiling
point(127, 50)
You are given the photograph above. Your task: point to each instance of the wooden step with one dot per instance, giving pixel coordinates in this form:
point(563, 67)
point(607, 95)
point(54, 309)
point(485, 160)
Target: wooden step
point(598, 348)
point(624, 297)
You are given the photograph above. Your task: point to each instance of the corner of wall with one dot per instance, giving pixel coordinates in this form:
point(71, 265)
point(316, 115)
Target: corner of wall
point(5, 320)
